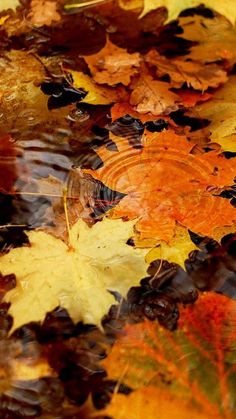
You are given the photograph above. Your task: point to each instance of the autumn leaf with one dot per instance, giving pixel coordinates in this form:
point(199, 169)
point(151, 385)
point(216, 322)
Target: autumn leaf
point(176, 251)
point(221, 112)
point(8, 4)
point(214, 39)
point(77, 278)
point(193, 73)
point(175, 8)
point(149, 95)
point(191, 369)
point(96, 95)
point(165, 183)
point(113, 65)
point(43, 12)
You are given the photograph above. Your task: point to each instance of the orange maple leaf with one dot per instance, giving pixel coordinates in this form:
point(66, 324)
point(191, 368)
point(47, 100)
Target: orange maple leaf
point(164, 183)
point(113, 65)
point(195, 364)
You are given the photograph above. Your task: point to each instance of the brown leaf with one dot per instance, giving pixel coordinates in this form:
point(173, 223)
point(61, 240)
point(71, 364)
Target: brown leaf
point(195, 74)
point(43, 12)
point(113, 65)
point(153, 96)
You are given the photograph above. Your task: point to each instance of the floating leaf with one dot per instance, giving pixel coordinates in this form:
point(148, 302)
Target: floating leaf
point(153, 96)
point(176, 251)
point(8, 4)
point(43, 12)
point(96, 95)
point(221, 112)
point(193, 73)
point(214, 39)
point(164, 183)
point(113, 65)
point(77, 278)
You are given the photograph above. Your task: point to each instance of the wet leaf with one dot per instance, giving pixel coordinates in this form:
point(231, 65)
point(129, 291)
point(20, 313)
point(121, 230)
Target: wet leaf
point(176, 251)
point(175, 8)
point(193, 73)
point(153, 96)
point(214, 39)
point(43, 12)
point(8, 4)
point(96, 95)
point(97, 261)
point(221, 112)
point(184, 185)
point(194, 364)
point(113, 65)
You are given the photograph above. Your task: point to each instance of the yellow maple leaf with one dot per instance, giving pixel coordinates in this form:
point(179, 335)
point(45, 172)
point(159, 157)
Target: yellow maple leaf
point(97, 95)
point(49, 274)
point(225, 8)
point(176, 251)
point(8, 4)
point(220, 111)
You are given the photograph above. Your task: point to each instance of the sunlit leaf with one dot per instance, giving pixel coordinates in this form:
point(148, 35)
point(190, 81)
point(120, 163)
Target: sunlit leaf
point(77, 278)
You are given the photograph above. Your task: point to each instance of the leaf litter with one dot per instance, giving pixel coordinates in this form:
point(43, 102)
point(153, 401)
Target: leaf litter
point(117, 221)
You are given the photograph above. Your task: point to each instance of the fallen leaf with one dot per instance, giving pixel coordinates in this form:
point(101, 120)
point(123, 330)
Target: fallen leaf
point(165, 183)
point(43, 12)
point(9, 4)
point(190, 98)
point(220, 110)
point(214, 39)
point(153, 96)
point(194, 74)
point(176, 251)
point(76, 278)
point(192, 367)
point(113, 65)
point(174, 8)
point(96, 95)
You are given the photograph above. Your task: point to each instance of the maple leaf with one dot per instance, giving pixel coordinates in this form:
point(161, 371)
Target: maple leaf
point(214, 39)
point(113, 65)
point(165, 183)
point(78, 279)
point(43, 12)
point(194, 74)
point(176, 251)
point(174, 7)
point(191, 369)
point(149, 95)
point(220, 110)
point(96, 95)
point(8, 4)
